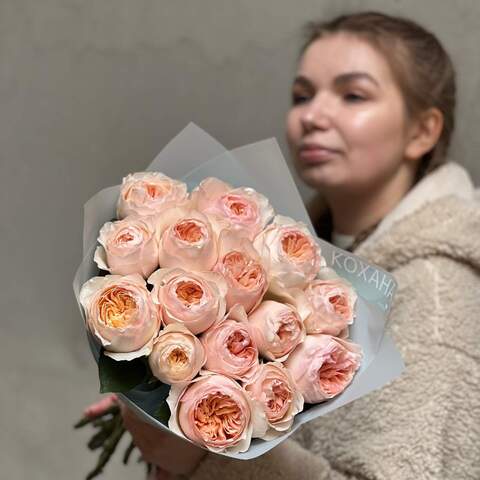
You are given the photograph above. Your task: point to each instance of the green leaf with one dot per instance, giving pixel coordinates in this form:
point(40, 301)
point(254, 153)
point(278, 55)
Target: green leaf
point(120, 376)
point(162, 413)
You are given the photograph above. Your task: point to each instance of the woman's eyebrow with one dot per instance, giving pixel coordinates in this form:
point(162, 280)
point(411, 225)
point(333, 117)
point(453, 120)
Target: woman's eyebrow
point(340, 80)
point(303, 81)
point(350, 76)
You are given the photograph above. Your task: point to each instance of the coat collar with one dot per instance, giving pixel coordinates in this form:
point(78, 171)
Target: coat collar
point(448, 179)
point(440, 216)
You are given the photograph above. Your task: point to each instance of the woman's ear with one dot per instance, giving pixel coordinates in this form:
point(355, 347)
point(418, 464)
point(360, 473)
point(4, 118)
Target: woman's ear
point(424, 133)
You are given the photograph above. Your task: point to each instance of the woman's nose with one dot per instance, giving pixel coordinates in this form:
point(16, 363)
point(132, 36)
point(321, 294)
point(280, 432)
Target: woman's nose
point(317, 115)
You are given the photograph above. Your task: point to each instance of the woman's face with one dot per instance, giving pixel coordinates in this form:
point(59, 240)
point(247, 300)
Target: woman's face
point(347, 128)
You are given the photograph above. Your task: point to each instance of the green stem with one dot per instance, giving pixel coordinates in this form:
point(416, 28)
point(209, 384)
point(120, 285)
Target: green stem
point(113, 410)
point(106, 429)
point(128, 452)
point(109, 447)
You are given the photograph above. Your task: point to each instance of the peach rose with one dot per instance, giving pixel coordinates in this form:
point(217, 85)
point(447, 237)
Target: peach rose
point(177, 355)
point(230, 348)
point(148, 193)
point(292, 256)
point(120, 313)
point(322, 366)
point(195, 300)
point(245, 209)
point(216, 413)
point(187, 239)
point(332, 305)
point(274, 388)
point(242, 268)
point(277, 329)
point(128, 246)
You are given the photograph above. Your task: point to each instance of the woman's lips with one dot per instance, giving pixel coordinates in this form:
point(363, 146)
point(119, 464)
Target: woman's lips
point(314, 154)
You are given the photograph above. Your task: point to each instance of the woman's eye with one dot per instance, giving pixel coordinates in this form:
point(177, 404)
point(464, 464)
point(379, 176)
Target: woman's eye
point(353, 98)
point(297, 98)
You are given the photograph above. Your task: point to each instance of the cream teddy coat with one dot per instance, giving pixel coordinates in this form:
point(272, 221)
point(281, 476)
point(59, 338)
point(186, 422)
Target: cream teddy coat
point(425, 424)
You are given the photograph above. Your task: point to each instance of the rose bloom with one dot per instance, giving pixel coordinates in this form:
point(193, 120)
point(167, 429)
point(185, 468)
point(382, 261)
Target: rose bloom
point(274, 388)
point(322, 366)
point(120, 313)
point(277, 329)
point(128, 246)
point(148, 193)
point(177, 355)
point(187, 239)
point(230, 348)
point(242, 268)
point(245, 209)
point(195, 300)
point(332, 305)
point(216, 413)
point(292, 255)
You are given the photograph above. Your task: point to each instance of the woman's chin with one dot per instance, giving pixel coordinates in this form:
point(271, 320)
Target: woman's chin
point(319, 177)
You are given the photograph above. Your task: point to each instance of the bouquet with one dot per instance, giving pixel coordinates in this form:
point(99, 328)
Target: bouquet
point(212, 309)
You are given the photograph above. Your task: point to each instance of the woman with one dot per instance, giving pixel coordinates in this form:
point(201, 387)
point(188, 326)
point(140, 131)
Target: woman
point(369, 128)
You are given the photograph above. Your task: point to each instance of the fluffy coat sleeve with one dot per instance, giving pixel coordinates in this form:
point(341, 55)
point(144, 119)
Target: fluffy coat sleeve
point(424, 425)
point(287, 461)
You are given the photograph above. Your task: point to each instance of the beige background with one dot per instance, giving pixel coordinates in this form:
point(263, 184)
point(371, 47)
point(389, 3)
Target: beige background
point(91, 90)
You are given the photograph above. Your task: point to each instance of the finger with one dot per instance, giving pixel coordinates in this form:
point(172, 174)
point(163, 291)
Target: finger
point(98, 408)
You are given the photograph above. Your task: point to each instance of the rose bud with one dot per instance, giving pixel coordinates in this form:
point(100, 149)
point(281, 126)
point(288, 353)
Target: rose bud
point(149, 193)
point(216, 413)
point(128, 246)
point(120, 313)
point(331, 301)
point(245, 209)
point(274, 388)
point(187, 239)
point(277, 329)
point(290, 253)
point(322, 366)
point(242, 269)
point(177, 355)
point(195, 300)
point(229, 346)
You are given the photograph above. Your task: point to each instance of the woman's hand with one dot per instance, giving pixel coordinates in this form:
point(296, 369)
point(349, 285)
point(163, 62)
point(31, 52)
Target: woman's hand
point(172, 454)
point(100, 407)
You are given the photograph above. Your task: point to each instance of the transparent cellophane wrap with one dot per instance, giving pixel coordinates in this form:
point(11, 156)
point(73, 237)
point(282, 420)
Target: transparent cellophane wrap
point(192, 156)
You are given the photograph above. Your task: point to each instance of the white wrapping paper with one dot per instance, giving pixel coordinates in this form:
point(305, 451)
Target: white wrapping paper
point(194, 155)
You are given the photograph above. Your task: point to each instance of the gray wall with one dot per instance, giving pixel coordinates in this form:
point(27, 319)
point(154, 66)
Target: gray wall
point(91, 90)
